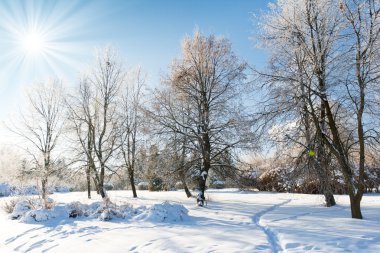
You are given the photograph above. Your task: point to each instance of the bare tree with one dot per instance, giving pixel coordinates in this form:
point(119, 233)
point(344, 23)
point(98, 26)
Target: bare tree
point(93, 114)
point(81, 116)
point(41, 126)
point(336, 37)
point(301, 56)
point(130, 122)
point(208, 78)
point(362, 79)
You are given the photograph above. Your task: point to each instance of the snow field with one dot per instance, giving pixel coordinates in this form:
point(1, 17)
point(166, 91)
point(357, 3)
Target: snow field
point(233, 221)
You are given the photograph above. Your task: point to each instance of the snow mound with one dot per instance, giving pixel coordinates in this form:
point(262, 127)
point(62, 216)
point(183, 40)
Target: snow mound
point(31, 210)
point(20, 209)
point(77, 209)
point(109, 211)
point(38, 215)
point(164, 212)
point(103, 211)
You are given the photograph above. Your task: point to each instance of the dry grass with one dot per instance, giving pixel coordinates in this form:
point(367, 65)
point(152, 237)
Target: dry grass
point(9, 206)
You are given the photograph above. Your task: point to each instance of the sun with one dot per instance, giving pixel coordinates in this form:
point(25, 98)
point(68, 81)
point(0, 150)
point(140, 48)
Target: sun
point(33, 43)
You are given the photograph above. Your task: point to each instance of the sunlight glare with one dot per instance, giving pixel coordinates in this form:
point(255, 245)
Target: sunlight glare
point(33, 43)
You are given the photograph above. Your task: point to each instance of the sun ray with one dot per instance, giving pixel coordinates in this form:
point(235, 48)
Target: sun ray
point(33, 43)
point(42, 40)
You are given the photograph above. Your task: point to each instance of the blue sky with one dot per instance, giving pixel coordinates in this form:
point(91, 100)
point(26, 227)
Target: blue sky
point(146, 32)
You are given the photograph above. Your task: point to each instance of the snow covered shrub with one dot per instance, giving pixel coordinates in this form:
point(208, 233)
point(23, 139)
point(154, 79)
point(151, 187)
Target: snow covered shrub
point(179, 185)
point(143, 186)
point(103, 211)
point(108, 187)
point(372, 179)
point(248, 178)
point(277, 179)
point(76, 209)
point(37, 215)
point(217, 184)
point(28, 190)
point(62, 188)
point(21, 206)
point(30, 210)
point(5, 190)
point(289, 179)
point(164, 212)
point(156, 184)
point(108, 210)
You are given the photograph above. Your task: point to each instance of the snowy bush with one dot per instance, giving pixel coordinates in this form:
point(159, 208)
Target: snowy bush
point(108, 187)
point(143, 186)
point(62, 188)
point(372, 179)
point(20, 208)
point(77, 209)
point(217, 184)
point(5, 190)
point(164, 212)
point(156, 184)
point(109, 211)
point(32, 210)
point(27, 209)
point(179, 185)
point(104, 211)
point(38, 215)
point(27, 190)
point(289, 179)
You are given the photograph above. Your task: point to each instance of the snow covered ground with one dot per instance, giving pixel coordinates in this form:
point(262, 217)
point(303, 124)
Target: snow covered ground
point(233, 221)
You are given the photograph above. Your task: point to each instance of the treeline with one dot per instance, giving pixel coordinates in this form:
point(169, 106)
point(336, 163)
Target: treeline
point(192, 124)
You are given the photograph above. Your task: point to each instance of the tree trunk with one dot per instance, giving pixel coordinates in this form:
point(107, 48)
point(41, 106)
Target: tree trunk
point(44, 193)
point(356, 212)
point(182, 169)
point(187, 191)
point(324, 180)
point(355, 195)
point(96, 185)
point(323, 160)
point(90, 162)
point(102, 192)
point(88, 174)
point(204, 171)
point(132, 182)
point(329, 198)
point(202, 188)
point(101, 181)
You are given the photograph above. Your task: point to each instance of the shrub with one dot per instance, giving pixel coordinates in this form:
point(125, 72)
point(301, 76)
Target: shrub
point(77, 209)
point(143, 186)
point(164, 212)
point(21, 207)
point(156, 184)
point(108, 187)
point(178, 185)
point(217, 184)
point(62, 188)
